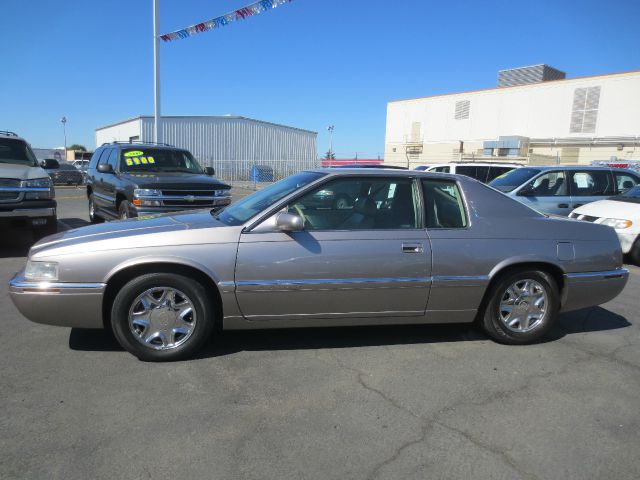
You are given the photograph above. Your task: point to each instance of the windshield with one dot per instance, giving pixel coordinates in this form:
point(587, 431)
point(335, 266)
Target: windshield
point(158, 160)
point(16, 152)
point(241, 211)
point(513, 179)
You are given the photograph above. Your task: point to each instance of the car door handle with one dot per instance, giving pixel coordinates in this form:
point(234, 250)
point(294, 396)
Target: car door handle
point(563, 205)
point(412, 248)
point(578, 205)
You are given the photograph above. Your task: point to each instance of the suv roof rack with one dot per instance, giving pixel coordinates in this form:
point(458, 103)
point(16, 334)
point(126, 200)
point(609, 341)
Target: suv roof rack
point(8, 133)
point(121, 142)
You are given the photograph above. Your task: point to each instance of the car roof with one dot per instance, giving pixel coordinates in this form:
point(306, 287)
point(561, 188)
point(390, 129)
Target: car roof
point(482, 164)
point(122, 145)
point(14, 136)
point(387, 172)
point(544, 168)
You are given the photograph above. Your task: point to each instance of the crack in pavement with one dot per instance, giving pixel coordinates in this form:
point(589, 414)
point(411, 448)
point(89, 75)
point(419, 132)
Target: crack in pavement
point(427, 424)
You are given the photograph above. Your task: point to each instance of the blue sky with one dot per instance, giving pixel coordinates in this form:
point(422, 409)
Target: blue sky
point(307, 64)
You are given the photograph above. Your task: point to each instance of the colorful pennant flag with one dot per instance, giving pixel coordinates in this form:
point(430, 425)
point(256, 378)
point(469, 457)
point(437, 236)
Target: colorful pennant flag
point(240, 14)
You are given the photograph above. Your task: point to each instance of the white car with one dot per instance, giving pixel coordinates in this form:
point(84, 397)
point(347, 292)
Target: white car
point(482, 171)
point(622, 213)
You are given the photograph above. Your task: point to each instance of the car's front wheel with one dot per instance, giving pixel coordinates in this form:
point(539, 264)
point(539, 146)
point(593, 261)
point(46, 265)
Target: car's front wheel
point(162, 317)
point(521, 307)
point(93, 218)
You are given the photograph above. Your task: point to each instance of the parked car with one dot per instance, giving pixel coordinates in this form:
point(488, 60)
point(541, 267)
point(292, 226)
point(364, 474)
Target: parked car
point(560, 189)
point(65, 174)
point(622, 213)
point(81, 165)
point(416, 248)
point(26, 191)
point(127, 180)
point(482, 171)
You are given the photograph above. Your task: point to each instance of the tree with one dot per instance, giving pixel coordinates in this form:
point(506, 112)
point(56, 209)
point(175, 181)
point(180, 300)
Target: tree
point(329, 155)
point(77, 147)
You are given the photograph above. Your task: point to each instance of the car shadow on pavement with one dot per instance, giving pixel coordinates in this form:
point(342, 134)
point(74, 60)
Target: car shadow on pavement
point(69, 223)
point(15, 243)
point(226, 343)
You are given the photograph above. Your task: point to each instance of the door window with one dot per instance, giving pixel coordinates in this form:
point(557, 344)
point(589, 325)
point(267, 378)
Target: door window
point(591, 183)
point(443, 204)
point(441, 169)
point(482, 172)
point(551, 184)
point(104, 157)
point(360, 204)
point(113, 159)
point(495, 172)
point(624, 181)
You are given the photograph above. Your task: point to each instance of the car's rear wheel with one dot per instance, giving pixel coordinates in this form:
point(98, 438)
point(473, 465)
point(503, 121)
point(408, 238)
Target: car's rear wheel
point(162, 317)
point(93, 217)
point(521, 307)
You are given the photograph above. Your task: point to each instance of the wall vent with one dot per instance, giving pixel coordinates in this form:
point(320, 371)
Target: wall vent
point(462, 109)
point(584, 113)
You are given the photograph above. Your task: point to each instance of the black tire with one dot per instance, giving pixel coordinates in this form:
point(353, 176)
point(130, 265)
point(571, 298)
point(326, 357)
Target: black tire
point(125, 301)
point(93, 217)
point(49, 228)
point(492, 317)
point(634, 253)
point(124, 210)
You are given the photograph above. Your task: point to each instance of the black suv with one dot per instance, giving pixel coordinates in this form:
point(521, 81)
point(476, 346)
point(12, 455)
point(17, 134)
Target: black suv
point(133, 179)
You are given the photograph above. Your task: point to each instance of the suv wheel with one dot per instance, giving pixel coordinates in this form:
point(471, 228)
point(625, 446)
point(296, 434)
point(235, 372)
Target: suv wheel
point(162, 316)
point(93, 218)
point(123, 210)
point(522, 307)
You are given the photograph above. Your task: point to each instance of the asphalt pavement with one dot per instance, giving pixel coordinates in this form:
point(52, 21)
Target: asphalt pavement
point(354, 403)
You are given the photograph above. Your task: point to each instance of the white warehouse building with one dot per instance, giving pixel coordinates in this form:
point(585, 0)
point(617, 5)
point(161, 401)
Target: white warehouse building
point(535, 116)
point(230, 144)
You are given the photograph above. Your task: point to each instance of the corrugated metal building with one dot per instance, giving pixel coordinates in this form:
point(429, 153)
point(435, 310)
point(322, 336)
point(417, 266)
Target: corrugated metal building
point(231, 144)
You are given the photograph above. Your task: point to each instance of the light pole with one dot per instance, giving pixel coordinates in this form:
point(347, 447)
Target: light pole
point(330, 128)
point(157, 127)
point(63, 120)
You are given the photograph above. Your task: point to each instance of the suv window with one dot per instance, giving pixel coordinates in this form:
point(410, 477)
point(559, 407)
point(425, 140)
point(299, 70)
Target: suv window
point(17, 152)
point(469, 171)
point(95, 157)
point(376, 204)
point(443, 204)
point(550, 184)
point(441, 169)
point(112, 159)
point(624, 181)
point(589, 183)
point(104, 157)
point(495, 172)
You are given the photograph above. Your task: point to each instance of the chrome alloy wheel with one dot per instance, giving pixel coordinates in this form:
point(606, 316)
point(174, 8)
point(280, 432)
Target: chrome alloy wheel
point(523, 306)
point(162, 318)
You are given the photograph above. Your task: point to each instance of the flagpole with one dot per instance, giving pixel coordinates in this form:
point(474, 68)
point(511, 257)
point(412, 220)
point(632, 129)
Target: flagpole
point(157, 127)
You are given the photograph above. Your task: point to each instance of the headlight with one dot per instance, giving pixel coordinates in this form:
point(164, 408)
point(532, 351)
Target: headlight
point(146, 192)
point(616, 223)
point(41, 271)
point(39, 183)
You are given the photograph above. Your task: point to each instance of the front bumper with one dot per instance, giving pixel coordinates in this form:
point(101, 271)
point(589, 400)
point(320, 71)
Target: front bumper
point(58, 303)
point(587, 289)
point(28, 209)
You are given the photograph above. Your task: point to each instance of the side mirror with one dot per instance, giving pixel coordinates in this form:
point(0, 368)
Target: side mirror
point(105, 168)
point(210, 171)
point(527, 191)
point(289, 222)
point(49, 164)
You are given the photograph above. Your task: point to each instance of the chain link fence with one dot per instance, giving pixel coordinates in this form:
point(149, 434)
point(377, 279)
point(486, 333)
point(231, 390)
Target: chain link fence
point(254, 174)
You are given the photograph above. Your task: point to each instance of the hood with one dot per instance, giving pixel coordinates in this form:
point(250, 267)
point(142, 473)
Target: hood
point(173, 180)
point(146, 232)
point(21, 172)
point(610, 209)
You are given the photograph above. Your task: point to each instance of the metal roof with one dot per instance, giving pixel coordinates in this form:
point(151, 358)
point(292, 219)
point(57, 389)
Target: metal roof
point(218, 117)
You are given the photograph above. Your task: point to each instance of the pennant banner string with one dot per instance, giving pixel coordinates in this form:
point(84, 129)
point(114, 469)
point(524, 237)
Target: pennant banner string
point(240, 14)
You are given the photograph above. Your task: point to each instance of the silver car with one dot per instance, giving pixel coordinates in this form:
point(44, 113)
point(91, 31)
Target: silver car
point(414, 247)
